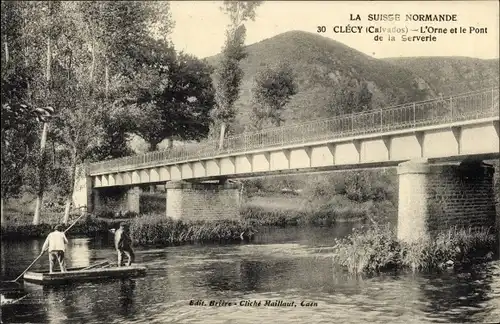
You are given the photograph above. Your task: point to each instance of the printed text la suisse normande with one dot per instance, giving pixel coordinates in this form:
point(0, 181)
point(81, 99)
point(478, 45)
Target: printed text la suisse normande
point(408, 17)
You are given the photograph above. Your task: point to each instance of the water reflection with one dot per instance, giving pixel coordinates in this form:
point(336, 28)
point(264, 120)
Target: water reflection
point(459, 297)
point(317, 236)
point(286, 264)
point(85, 303)
point(127, 295)
point(79, 253)
point(3, 261)
point(223, 276)
point(58, 304)
point(36, 245)
point(251, 275)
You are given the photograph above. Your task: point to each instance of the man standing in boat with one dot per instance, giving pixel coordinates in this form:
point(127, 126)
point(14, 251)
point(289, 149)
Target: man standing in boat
point(123, 244)
point(56, 245)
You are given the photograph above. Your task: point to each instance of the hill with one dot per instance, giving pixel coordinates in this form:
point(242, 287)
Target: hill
point(449, 75)
point(320, 63)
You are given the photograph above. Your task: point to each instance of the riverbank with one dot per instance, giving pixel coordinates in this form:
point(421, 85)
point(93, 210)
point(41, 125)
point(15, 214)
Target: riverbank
point(266, 209)
point(273, 209)
point(19, 226)
point(370, 250)
point(376, 249)
point(149, 229)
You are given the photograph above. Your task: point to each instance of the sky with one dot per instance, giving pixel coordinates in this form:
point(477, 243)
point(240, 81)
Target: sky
point(200, 26)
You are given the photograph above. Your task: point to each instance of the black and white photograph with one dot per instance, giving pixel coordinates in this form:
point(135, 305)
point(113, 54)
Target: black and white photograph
point(250, 162)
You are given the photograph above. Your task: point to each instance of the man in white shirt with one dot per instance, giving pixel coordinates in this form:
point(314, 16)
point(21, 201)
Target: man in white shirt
point(56, 245)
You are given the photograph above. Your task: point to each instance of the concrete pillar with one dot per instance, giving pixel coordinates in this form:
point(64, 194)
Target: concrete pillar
point(435, 198)
point(202, 201)
point(133, 199)
point(413, 200)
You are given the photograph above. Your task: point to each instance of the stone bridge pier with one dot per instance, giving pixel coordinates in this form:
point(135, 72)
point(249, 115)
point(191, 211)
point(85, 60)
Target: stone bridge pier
point(203, 201)
point(115, 199)
point(184, 200)
point(434, 198)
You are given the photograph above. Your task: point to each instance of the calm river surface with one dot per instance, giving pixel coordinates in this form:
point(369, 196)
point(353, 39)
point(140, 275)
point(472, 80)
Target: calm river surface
point(289, 264)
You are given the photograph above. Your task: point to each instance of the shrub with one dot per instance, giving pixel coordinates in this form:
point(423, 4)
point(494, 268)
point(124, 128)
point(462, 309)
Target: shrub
point(105, 214)
point(370, 250)
point(152, 203)
point(108, 214)
point(376, 249)
point(322, 188)
point(260, 216)
point(457, 245)
point(338, 208)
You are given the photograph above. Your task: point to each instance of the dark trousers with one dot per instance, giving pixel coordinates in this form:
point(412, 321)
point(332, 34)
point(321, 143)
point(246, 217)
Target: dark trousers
point(128, 252)
point(57, 255)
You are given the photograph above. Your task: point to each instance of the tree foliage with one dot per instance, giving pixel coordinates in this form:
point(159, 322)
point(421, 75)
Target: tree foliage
point(18, 147)
point(175, 98)
point(97, 63)
point(229, 73)
point(240, 11)
point(18, 123)
point(351, 96)
point(273, 89)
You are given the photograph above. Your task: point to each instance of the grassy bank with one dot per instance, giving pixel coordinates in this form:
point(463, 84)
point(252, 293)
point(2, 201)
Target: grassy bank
point(149, 229)
point(271, 209)
point(287, 210)
point(322, 199)
point(159, 230)
point(376, 249)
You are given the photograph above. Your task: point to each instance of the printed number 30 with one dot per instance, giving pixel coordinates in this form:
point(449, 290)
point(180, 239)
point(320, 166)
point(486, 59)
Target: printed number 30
point(321, 29)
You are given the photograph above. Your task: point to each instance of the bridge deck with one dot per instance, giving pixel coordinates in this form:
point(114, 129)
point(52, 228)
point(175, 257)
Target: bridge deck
point(457, 111)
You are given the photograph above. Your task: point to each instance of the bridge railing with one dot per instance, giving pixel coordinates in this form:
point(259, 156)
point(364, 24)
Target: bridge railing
point(468, 106)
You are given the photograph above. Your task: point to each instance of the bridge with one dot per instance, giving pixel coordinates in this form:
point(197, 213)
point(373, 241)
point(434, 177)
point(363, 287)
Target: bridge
point(423, 139)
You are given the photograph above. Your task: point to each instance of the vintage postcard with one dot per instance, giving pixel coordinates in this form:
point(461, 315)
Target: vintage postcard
point(250, 161)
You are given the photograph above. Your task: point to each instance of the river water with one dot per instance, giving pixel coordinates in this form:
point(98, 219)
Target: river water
point(289, 265)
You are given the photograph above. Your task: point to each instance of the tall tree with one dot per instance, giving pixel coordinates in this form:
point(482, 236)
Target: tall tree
point(364, 98)
point(273, 89)
point(229, 73)
point(160, 22)
point(81, 104)
point(79, 129)
point(86, 59)
point(18, 124)
point(35, 45)
point(175, 98)
point(11, 25)
point(49, 34)
point(120, 34)
point(18, 137)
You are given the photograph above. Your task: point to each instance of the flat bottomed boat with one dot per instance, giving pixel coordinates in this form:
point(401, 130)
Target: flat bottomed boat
point(84, 274)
